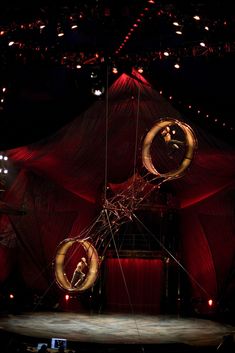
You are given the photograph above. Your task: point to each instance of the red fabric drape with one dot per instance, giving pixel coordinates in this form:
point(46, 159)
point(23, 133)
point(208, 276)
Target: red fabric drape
point(134, 284)
point(7, 261)
point(208, 245)
point(50, 215)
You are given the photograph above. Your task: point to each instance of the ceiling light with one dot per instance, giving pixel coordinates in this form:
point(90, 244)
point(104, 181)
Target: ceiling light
point(97, 91)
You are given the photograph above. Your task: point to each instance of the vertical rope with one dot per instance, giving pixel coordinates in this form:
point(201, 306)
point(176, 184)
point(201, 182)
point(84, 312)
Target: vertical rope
point(123, 275)
point(136, 144)
point(172, 256)
point(106, 133)
point(136, 130)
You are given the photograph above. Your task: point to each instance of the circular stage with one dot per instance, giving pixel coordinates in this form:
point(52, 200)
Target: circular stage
point(117, 328)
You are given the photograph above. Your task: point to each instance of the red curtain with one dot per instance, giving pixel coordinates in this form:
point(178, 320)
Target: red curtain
point(50, 215)
point(208, 247)
point(7, 256)
point(134, 285)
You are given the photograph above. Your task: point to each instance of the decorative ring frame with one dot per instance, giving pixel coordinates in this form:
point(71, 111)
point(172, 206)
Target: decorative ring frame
point(190, 144)
point(93, 265)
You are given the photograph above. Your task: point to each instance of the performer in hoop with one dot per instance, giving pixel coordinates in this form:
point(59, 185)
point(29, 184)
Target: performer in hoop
point(79, 275)
point(172, 143)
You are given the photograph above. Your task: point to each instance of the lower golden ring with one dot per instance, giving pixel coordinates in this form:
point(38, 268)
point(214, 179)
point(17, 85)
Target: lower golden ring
point(93, 265)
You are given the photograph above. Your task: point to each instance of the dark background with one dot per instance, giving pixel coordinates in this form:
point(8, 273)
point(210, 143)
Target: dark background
point(44, 91)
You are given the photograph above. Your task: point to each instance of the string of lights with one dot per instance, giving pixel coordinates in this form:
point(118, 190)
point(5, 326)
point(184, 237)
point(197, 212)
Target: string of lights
point(3, 170)
point(191, 33)
point(33, 35)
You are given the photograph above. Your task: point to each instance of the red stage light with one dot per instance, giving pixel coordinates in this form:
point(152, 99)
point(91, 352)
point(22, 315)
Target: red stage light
point(66, 297)
point(210, 302)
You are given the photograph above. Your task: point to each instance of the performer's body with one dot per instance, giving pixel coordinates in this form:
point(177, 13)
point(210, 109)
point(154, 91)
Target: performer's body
point(172, 143)
point(79, 275)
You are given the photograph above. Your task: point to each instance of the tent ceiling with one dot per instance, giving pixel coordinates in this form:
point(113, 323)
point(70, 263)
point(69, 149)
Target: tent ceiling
point(42, 98)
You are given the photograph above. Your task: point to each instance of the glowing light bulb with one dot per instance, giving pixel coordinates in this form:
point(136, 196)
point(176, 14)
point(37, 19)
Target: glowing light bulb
point(66, 297)
point(210, 302)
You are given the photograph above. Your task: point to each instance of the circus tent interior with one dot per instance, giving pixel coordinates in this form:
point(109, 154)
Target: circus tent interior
point(58, 191)
point(135, 180)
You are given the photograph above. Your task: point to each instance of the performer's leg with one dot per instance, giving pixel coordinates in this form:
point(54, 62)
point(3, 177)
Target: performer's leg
point(75, 278)
point(82, 275)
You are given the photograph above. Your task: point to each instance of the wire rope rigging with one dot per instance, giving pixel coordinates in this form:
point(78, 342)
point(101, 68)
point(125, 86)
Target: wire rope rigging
point(121, 202)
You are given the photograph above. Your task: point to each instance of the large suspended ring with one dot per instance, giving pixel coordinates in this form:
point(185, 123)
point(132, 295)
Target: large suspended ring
point(93, 265)
point(190, 146)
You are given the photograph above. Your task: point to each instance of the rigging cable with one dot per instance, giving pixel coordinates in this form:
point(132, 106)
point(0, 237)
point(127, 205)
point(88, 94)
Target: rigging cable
point(123, 275)
point(136, 143)
point(106, 133)
point(172, 256)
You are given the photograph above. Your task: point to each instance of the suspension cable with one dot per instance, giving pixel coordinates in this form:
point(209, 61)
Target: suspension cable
point(136, 143)
point(106, 133)
point(172, 256)
point(123, 275)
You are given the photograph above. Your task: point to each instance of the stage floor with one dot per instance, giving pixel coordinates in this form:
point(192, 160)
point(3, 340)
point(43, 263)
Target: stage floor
point(117, 328)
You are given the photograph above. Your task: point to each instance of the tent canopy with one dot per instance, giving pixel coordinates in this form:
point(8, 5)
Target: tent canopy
point(60, 185)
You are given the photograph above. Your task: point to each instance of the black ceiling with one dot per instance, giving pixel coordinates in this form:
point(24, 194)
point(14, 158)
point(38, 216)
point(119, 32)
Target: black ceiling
point(44, 92)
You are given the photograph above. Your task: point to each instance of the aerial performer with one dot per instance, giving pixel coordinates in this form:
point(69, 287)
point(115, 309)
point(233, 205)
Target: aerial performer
point(79, 275)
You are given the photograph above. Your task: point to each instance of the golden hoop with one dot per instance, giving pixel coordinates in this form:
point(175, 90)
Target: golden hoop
point(190, 144)
point(93, 265)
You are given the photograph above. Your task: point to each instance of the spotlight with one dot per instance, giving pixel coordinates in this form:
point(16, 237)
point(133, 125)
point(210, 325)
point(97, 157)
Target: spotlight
point(94, 74)
point(97, 91)
point(66, 297)
point(114, 70)
point(210, 302)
